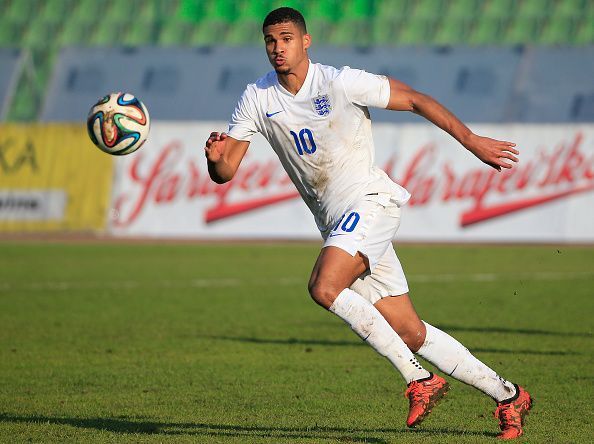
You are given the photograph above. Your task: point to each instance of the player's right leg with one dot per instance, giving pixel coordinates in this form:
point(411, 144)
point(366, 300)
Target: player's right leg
point(388, 279)
point(349, 252)
point(333, 273)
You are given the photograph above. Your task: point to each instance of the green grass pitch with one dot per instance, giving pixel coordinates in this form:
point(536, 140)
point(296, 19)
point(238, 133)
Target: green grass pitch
point(116, 343)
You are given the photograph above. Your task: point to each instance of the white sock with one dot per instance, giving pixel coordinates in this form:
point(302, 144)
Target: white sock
point(372, 327)
point(453, 358)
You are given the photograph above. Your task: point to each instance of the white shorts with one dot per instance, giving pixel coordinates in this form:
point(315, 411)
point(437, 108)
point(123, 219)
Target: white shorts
point(368, 227)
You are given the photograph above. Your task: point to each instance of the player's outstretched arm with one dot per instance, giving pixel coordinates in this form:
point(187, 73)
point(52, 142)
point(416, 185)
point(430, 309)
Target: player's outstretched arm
point(495, 153)
point(223, 155)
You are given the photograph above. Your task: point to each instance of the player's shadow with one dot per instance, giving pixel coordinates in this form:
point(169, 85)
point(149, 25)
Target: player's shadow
point(515, 331)
point(330, 343)
point(124, 425)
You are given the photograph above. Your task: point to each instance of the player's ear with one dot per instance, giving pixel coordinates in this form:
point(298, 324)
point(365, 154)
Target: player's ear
point(306, 41)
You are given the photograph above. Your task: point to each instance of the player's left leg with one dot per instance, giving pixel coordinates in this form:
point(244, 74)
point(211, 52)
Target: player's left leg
point(442, 350)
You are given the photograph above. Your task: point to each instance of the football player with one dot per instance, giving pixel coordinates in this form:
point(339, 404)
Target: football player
point(316, 119)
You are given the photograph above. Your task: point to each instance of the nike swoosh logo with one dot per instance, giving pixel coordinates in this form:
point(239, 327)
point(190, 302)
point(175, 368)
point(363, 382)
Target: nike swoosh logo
point(272, 114)
point(337, 234)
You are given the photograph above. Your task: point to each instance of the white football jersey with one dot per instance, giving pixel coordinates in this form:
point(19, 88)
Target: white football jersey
point(322, 135)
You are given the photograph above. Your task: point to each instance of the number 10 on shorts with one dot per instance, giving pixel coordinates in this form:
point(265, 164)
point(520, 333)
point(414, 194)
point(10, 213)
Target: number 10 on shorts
point(347, 222)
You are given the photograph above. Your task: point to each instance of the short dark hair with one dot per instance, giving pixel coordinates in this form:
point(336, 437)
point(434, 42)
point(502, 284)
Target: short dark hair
point(284, 15)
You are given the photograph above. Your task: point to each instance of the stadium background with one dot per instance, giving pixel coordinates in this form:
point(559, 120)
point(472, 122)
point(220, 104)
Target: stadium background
point(520, 70)
point(105, 338)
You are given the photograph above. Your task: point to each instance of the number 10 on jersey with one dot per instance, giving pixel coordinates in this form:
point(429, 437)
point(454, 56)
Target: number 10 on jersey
point(304, 141)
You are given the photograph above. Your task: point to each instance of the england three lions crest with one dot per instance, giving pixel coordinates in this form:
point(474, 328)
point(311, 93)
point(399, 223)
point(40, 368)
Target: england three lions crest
point(322, 104)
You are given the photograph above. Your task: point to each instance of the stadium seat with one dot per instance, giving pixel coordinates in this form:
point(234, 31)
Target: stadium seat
point(452, 32)
point(351, 34)
point(356, 10)
point(89, 11)
point(247, 29)
point(138, 33)
point(220, 11)
point(499, 9)
point(386, 23)
point(174, 32)
point(11, 61)
point(533, 9)
point(521, 31)
point(396, 10)
point(384, 32)
point(569, 8)
point(190, 10)
point(300, 5)
point(39, 35)
point(169, 8)
point(74, 33)
point(244, 33)
point(207, 34)
point(427, 10)
point(21, 11)
point(414, 33)
point(214, 25)
point(354, 29)
point(485, 32)
point(155, 10)
point(462, 9)
point(24, 108)
point(321, 18)
point(559, 31)
point(585, 33)
point(106, 34)
point(10, 33)
point(121, 12)
point(55, 11)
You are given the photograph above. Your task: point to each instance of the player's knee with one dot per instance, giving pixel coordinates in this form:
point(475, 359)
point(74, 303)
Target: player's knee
point(413, 337)
point(322, 293)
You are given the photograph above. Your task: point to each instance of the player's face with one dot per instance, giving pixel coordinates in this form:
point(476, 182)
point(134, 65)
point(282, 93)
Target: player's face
point(286, 46)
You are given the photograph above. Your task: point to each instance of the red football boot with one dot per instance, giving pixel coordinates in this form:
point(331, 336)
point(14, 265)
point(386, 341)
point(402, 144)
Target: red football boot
point(511, 412)
point(423, 395)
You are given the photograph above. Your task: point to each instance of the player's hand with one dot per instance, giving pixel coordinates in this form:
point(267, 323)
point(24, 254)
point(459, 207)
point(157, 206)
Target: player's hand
point(495, 153)
point(215, 146)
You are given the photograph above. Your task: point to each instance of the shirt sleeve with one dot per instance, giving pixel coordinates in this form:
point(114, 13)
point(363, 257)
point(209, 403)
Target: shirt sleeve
point(365, 89)
point(244, 121)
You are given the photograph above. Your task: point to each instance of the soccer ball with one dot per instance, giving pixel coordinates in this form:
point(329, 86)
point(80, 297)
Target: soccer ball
point(118, 123)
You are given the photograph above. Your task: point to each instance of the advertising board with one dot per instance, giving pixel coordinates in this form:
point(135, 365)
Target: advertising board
point(52, 178)
point(164, 189)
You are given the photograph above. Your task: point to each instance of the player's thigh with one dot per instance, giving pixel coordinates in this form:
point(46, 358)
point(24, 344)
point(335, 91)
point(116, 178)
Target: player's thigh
point(334, 270)
point(354, 245)
point(386, 280)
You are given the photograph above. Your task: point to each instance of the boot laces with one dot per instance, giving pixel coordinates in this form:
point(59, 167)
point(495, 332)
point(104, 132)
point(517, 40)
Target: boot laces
point(418, 391)
point(508, 417)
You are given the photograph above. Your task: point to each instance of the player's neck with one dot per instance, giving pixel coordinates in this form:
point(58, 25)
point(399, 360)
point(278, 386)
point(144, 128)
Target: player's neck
point(294, 80)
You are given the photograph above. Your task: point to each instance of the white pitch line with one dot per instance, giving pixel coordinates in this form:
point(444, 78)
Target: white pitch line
point(282, 281)
point(492, 277)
